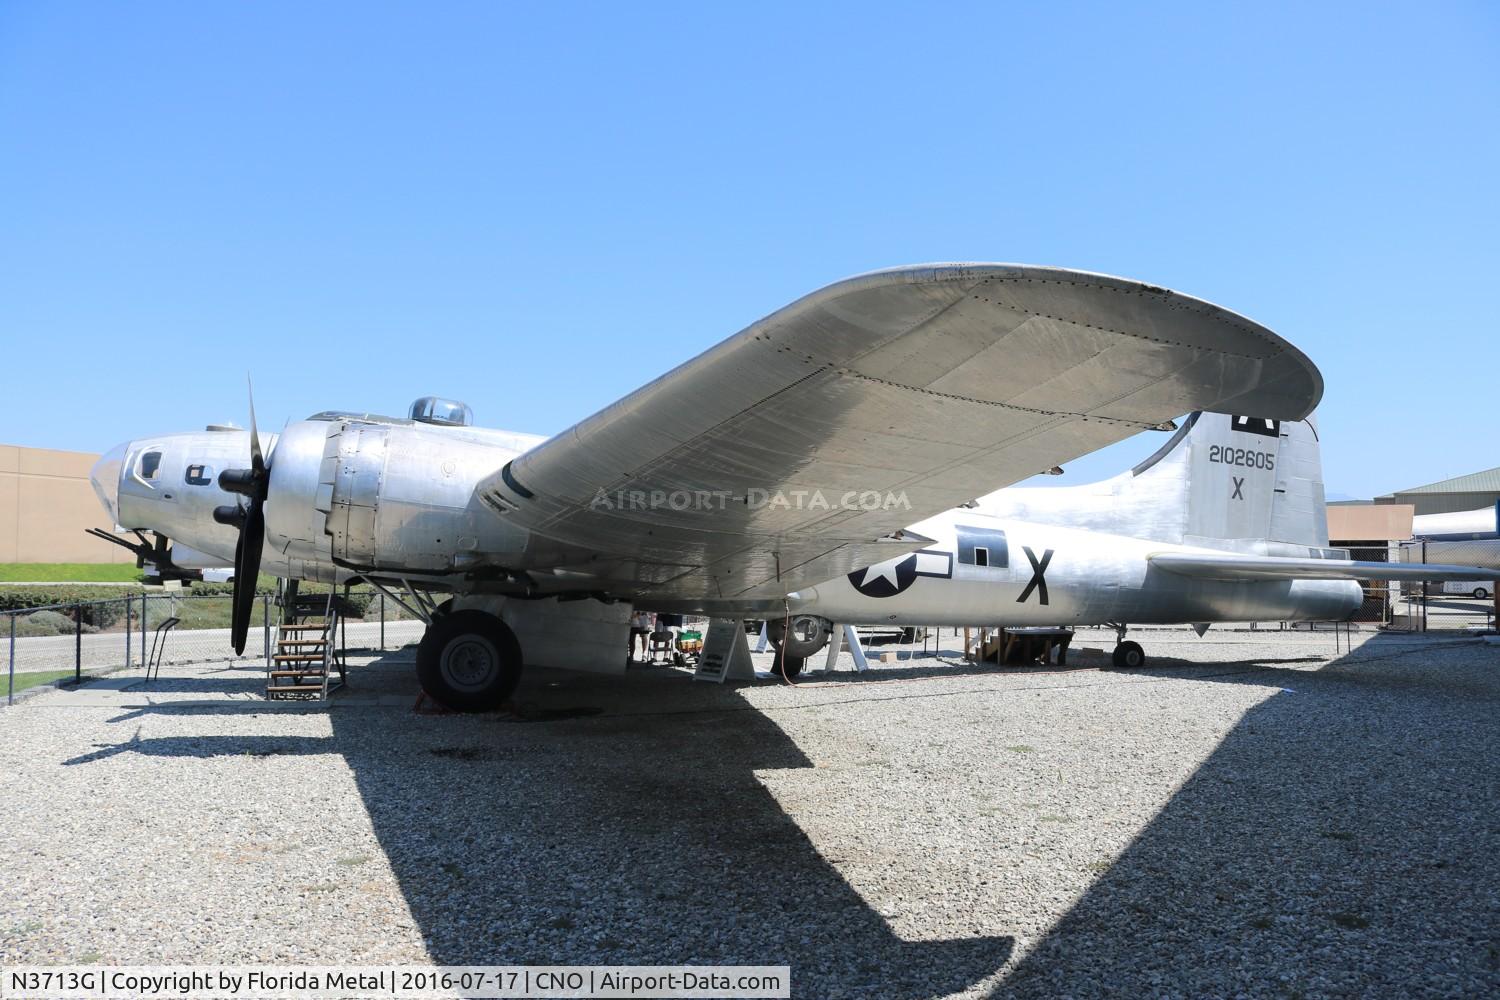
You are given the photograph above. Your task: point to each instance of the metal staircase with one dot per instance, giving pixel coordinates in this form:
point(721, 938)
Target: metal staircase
point(308, 650)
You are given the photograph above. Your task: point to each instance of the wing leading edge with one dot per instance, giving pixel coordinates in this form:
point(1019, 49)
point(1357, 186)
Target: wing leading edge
point(781, 456)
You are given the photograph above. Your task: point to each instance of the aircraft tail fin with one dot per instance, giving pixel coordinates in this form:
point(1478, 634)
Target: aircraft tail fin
point(1249, 480)
point(1223, 481)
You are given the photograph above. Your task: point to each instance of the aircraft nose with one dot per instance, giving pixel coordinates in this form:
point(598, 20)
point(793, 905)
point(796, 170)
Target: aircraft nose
point(105, 475)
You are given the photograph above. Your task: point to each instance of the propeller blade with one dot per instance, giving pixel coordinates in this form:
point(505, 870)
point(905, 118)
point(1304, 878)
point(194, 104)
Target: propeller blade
point(257, 462)
point(254, 483)
point(247, 552)
point(236, 634)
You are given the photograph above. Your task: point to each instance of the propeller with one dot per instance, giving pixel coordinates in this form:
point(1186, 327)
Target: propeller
point(254, 484)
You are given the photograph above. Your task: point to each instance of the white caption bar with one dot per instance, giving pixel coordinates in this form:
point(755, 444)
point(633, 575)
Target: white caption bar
point(411, 982)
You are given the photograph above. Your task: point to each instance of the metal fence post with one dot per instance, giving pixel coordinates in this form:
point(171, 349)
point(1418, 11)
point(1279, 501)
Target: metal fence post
point(77, 644)
point(127, 633)
point(265, 621)
point(143, 630)
point(1424, 588)
point(10, 689)
point(381, 599)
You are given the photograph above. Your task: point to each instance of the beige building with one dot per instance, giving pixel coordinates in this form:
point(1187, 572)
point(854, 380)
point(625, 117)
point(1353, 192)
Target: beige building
point(46, 503)
point(1368, 524)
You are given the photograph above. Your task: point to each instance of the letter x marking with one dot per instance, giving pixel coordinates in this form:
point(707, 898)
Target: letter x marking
point(1038, 575)
point(1239, 484)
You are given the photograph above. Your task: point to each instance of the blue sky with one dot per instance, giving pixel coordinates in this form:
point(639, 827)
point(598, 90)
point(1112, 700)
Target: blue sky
point(537, 208)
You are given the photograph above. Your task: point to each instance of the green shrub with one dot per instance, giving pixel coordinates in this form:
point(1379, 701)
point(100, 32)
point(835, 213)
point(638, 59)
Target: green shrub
point(264, 584)
point(104, 607)
point(51, 622)
point(360, 603)
point(102, 614)
point(21, 598)
point(202, 588)
point(97, 607)
point(26, 630)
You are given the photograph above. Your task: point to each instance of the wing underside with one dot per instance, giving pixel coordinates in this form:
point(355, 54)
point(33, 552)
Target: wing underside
point(799, 448)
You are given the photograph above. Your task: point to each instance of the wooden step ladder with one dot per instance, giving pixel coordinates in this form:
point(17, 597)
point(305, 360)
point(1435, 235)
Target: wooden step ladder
point(307, 650)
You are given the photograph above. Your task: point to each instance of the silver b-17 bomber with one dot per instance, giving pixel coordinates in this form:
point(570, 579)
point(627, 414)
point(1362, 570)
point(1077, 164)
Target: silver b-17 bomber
point(842, 460)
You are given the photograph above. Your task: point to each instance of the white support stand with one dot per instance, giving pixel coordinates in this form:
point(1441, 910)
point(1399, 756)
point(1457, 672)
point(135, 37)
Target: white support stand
point(760, 644)
point(856, 649)
point(726, 653)
point(835, 645)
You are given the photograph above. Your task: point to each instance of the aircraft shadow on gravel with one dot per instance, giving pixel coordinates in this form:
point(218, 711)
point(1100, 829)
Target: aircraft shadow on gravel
point(637, 837)
point(1326, 785)
point(643, 837)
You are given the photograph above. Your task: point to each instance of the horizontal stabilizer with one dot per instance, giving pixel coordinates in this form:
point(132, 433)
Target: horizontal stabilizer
point(1228, 566)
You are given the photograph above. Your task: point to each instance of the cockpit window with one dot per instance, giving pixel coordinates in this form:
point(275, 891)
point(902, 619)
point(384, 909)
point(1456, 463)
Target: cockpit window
point(199, 475)
point(149, 465)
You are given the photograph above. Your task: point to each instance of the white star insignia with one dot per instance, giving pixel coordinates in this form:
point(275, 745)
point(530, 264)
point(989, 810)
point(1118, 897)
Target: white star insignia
point(886, 570)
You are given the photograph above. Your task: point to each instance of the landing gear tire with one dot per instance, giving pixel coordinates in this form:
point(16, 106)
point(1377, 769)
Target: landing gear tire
point(469, 661)
point(792, 665)
point(1130, 655)
point(807, 635)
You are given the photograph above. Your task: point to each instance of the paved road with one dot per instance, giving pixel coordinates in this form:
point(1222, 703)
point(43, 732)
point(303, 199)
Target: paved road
point(107, 650)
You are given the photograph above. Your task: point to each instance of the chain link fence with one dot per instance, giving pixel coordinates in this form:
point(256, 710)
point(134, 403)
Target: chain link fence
point(1382, 603)
point(1458, 604)
point(69, 643)
point(1410, 606)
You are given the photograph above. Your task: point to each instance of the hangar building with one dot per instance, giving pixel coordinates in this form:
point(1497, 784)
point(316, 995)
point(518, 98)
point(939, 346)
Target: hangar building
point(1478, 489)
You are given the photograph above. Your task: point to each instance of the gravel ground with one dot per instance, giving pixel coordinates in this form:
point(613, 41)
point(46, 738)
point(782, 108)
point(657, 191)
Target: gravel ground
point(1250, 814)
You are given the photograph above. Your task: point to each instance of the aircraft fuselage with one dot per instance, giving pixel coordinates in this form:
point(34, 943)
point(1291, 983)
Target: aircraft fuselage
point(984, 570)
point(400, 496)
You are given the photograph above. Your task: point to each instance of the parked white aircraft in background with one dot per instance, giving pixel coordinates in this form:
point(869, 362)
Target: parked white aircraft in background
point(1459, 526)
point(820, 465)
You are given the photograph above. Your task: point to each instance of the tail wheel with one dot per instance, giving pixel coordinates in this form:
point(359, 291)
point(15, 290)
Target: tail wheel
point(469, 661)
point(1129, 654)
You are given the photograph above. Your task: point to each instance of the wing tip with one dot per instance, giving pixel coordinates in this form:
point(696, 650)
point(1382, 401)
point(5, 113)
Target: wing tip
point(1291, 389)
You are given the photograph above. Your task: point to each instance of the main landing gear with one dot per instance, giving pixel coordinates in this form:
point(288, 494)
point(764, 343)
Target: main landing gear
point(1127, 654)
point(796, 640)
point(469, 661)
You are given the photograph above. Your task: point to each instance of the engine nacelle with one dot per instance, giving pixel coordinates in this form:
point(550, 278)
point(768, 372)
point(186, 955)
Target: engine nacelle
point(394, 497)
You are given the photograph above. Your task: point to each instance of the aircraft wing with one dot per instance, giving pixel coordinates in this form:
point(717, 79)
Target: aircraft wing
point(1229, 566)
point(795, 450)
